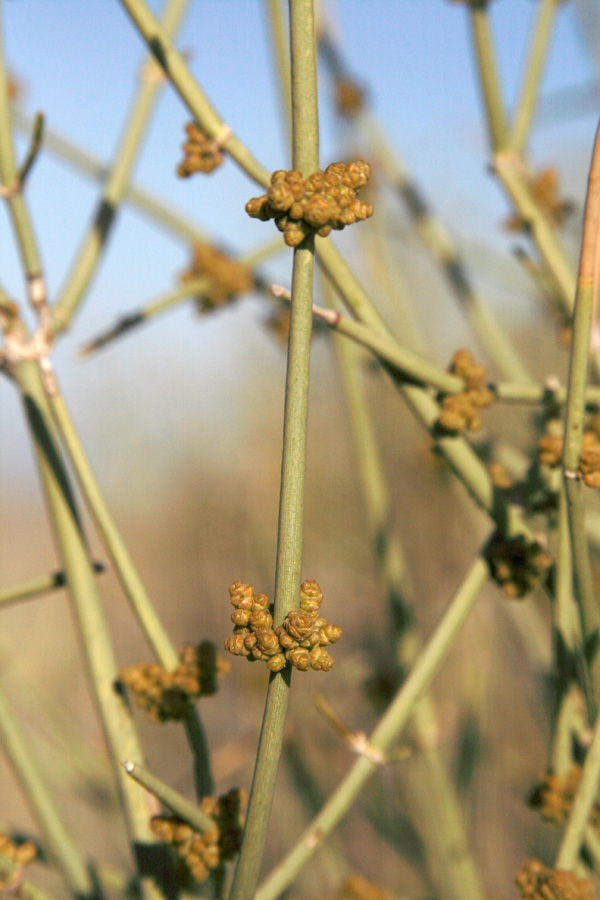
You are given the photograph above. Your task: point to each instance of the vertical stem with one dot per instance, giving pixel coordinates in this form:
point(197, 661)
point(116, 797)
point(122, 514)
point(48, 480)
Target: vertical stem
point(489, 77)
point(19, 212)
point(121, 739)
point(305, 144)
point(90, 252)
point(534, 68)
point(583, 802)
point(575, 418)
point(56, 838)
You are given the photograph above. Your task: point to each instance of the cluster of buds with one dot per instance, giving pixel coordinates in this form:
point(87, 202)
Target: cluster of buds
point(461, 411)
point(544, 189)
point(517, 564)
point(500, 477)
point(198, 851)
point(538, 882)
point(554, 797)
point(300, 640)
point(201, 154)
point(323, 201)
point(349, 97)
point(19, 853)
point(550, 450)
point(356, 887)
point(168, 695)
point(228, 278)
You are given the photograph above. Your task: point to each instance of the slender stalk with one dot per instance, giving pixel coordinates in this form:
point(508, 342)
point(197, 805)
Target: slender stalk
point(489, 76)
point(37, 587)
point(583, 802)
point(19, 213)
point(280, 48)
point(535, 394)
point(133, 135)
point(305, 144)
point(169, 797)
point(530, 87)
point(186, 86)
point(120, 735)
point(575, 417)
point(128, 576)
point(57, 840)
point(384, 735)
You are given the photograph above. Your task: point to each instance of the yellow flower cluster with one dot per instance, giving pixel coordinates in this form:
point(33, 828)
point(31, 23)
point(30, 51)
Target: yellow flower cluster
point(20, 853)
point(168, 695)
point(550, 449)
point(517, 564)
point(201, 154)
point(545, 190)
point(537, 882)
point(461, 411)
point(554, 797)
point(228, 277)
point(202, 851)
point(300, 640)
point(323, 201)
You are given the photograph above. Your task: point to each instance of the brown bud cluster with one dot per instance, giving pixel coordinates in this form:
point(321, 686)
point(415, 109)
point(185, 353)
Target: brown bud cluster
point(537, 882)
point(545, 190)
point(323, 201)
point(20, 853)
point(358, 888)
point(168, 695)
point(461, 411)
point(554, 797)
point(300, 640)
point(228, 278)
point(499, 476)
point(349, 97)
point(201, 153)
point(202, 851)
point(550, 450)
point(517, 564)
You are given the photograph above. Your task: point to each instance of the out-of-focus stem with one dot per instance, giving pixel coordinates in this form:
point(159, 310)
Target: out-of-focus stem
point(57, 840)
point(37, 587)
point(583, 802)
point(132, 137)
point(489, 76)
point(384, 735)
point(530, 87)
point(96, 643)
point(129, 577)
point(305, 147)
point(280, 46)
point(575, 418)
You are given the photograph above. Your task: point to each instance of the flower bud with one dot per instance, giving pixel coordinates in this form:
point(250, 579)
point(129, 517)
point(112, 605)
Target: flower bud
point(299, 624)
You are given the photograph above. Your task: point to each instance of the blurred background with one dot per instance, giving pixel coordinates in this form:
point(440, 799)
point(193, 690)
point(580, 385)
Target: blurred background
point(182, 417)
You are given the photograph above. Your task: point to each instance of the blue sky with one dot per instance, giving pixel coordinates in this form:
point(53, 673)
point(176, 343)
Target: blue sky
point(79, 63)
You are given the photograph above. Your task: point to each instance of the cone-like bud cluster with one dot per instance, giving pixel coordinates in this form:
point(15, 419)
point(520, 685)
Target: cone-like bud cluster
point(300, 640)
point(554, 797)
point(550, 449)
point(517, 564)
point(356, 887)
point(545, 190)
point(201, 153)
point(228, 277)
point(21, 853)
point(500, 477)
point(349, 97)
point(202, 851)
point(461, 411)
point(323, 201)
point(537, 882)
point(168, 695)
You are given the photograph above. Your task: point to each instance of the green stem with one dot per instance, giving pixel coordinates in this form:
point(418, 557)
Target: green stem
point(489, 77)
point(169, 797)
point(535, 393)
point(96, 643)
point(583, 803)
point(186, 86)
point(128, 576)
point(382, 738)
point(305, 143)
point(37, 587)
point(57, 840)
point(133, 135)
point(280, 47)
point(575, 418)
point(528, 97)
point(19, 213)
